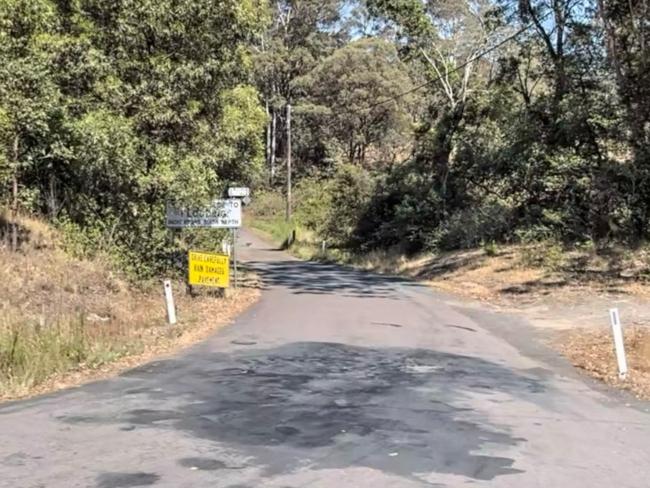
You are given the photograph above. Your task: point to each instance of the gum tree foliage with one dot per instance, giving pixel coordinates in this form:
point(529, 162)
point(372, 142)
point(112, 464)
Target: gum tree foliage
point(300, 33)
point(626, 28)
point(121, 105)
point(344, 99)
point(108, 109)
point(545, 136)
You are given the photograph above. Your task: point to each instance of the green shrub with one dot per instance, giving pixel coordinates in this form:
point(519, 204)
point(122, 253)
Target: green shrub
point(312, 203)
point(490, 248)
point(471, 227)
point(351, 194)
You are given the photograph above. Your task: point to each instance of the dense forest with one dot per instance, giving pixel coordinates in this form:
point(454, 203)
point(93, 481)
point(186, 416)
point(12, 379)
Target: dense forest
point(418, 124)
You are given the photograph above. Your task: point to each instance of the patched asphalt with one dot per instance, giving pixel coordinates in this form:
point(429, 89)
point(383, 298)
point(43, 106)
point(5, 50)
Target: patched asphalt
point(336, 378)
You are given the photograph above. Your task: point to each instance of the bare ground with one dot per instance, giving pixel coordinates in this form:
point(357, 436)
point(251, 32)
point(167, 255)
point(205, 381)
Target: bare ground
point(568, 292)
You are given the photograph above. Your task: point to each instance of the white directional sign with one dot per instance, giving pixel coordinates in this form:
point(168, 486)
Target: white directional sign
point(239, 191)
point(221, 214)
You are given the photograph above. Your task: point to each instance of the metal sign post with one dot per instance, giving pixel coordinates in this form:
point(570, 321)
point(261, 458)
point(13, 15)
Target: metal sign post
point(234, 255)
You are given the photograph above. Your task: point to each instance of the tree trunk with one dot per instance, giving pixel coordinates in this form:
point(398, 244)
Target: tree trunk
point(274, 125)
point(14, 204)
point(52, 204)
point(267, 147)
point(447, 129)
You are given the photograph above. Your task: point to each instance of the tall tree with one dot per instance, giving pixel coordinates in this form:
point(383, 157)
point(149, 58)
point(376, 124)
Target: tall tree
point(29, 100)
point(627, 34)
point(300, 33)
point(356, 99)
point(444, 38)
point(109, 109)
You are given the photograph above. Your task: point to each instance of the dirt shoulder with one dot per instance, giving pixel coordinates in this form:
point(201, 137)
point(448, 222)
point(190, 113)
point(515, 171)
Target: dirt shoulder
point(65, 321)
point(567, 293)
point(152, 342)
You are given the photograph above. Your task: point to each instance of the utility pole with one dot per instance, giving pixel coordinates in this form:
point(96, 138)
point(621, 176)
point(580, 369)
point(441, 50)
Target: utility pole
point(274, 119)
point(14, 203)
point(288, 216)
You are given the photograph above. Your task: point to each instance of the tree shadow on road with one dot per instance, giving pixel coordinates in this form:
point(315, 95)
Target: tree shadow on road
point(401, 411)
point(322, 279)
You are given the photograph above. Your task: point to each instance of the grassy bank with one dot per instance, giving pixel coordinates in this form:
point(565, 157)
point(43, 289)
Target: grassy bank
point(64, 320)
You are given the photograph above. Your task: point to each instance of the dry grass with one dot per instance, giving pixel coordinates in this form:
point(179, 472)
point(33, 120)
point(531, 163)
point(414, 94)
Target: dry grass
point(593, 352)
point(518, 271)
point(65, 321)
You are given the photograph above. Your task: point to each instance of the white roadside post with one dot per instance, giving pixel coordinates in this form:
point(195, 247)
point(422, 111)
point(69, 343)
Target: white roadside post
point(619, 344)
point(169, 301)
point(225, 247)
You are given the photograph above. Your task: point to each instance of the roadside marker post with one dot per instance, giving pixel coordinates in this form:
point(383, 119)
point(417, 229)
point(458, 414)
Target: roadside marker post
point(169, 301)
point(619, 344)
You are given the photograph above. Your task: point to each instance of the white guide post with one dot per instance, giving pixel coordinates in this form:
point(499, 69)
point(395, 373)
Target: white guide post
point(619, 345)
point(169, 301)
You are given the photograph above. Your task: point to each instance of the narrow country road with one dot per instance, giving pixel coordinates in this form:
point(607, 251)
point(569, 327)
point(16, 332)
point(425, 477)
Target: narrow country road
point(336, 378)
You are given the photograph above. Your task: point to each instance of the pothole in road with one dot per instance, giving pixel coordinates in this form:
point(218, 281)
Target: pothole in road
point(388, 324)
point(287, 430)
point(205, 464)
point(126, 480)
point(238, 342)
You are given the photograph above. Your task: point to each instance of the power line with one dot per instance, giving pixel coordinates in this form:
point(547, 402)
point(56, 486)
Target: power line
point(460, 66)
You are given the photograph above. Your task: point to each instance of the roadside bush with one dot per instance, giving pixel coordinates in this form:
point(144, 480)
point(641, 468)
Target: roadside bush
point(470, 227)
point(266, 204)
point(313, 200)
point(351, 193)
point(547, 254)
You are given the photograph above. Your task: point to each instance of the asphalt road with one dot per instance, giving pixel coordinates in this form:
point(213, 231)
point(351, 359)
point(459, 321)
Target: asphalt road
point(336, 378)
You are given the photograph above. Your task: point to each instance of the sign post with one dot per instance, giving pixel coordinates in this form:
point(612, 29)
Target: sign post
point(234, 254)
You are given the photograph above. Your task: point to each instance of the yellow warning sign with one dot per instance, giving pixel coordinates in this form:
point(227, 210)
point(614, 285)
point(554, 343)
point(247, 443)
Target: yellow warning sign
point(209, 269)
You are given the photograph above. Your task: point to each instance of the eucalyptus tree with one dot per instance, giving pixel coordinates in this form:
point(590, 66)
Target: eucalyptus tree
point(29, 99)
point(108, 109)
point(355, 98)
point(299, 34)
